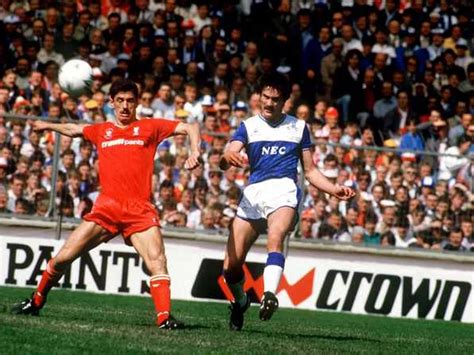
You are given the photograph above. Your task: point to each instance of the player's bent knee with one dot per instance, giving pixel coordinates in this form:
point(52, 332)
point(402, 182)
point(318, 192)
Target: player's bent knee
point(275, 243)
point(156, 263)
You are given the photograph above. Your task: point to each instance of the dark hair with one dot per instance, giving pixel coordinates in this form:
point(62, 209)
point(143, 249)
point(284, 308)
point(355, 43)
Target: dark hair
point(117, 72)
point(371, 217)
point(456, 230)
point(166, 184)
point(470, 67)
point(277, 82)
point(464, 138)
point(112, 15)
point(351, 53)
point(389, 236)
point(201, 184)
point(122, 85)
point(402, 221)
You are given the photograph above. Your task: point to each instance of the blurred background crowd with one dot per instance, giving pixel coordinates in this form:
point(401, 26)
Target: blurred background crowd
point(384, 85)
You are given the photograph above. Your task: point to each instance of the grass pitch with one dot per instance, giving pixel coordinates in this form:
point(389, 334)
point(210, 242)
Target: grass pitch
point(77, 322)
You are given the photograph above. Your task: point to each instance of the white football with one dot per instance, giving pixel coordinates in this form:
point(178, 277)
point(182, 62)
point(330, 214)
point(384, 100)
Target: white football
point(75, 77)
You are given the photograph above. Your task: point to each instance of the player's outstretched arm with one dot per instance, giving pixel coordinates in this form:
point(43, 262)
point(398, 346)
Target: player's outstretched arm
point(67, 129)
point(192, 131)
point(232, 156)
point(318, 180)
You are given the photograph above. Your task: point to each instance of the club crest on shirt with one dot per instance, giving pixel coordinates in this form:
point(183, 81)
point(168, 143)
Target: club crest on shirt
point(136, 131)
point(108, 133)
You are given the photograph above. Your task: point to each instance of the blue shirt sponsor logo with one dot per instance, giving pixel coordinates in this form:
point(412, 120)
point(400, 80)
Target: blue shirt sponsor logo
point(273, 150)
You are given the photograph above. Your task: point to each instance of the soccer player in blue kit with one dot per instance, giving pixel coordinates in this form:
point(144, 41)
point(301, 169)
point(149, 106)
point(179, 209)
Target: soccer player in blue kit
point(274, 143)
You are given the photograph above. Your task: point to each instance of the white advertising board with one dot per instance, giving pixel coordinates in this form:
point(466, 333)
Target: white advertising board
point(313, 279)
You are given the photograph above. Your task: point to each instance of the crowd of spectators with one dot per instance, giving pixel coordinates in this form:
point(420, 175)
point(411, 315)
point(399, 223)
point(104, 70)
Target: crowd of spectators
point(364, 73)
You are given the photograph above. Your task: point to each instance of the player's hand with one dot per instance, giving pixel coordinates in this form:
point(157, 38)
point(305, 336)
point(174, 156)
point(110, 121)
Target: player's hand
point(344, 193)
point(40, 125)
point(193, 161)
point(234, 159)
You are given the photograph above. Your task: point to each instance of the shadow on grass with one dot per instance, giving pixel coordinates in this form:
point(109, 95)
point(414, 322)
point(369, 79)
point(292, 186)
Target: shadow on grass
point(187, 326)
point(312, 336)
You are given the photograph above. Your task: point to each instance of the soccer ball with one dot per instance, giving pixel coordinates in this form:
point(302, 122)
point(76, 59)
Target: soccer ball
point(75, 77)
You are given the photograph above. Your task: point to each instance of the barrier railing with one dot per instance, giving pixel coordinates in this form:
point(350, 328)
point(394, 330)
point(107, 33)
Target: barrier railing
point(54, 216)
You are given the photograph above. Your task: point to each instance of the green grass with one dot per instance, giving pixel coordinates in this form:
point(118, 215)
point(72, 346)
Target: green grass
point(77, 322)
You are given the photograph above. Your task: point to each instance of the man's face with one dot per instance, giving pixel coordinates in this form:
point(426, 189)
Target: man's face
point(377, 193)
point(170, 5)
point(337, 20)
point(166, 193)
point(172, 29)
point(17, 187)
point(22, 67)
point(211, 123)
point(402, 100)
point(38, 28)
point(304, 21)
point(251, 74)
point(455, 238)
point(363, 182)
point(321, 108)
point(337, 48)
point(389, 216)
point(369, 77)
point(190, 93)
point(271, 103)
point(351, 216)
point(437, 40)
point(187, 198)
point(221, 70)
point(114, 23)
point(51, 17)
point(467, 228)
point(380, 61)
point(387, 90)
point(36, 78)
point(125, 104)
point(251, 50)
point(165, 93)
point(401, 195)
point(466, 120)
point(346, 32)
point(370, 227)
point(410, 175)
point(324, 35)
point(302, 112)
point(84, 19)
point(335, 221)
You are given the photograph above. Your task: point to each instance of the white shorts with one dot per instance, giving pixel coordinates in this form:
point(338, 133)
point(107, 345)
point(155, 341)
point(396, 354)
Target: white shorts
point(259, 200)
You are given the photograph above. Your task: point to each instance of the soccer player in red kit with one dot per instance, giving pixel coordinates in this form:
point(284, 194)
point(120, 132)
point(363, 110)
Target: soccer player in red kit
point(126, 150)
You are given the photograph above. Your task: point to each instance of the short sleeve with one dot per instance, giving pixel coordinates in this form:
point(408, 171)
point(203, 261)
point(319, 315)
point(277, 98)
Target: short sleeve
point(163, 128)
point(240, 134)
point(306, 139)
point(91, 133)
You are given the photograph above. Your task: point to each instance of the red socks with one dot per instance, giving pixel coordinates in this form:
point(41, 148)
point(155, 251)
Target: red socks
point(48, 280)
point(160, 293)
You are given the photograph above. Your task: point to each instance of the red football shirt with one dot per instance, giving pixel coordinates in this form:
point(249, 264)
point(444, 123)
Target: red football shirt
point(126, 155)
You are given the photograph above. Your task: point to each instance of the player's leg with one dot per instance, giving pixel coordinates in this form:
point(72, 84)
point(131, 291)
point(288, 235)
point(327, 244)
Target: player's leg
point(149, 244)
point(279, 223)
point(85, 237)
point(242, 235)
